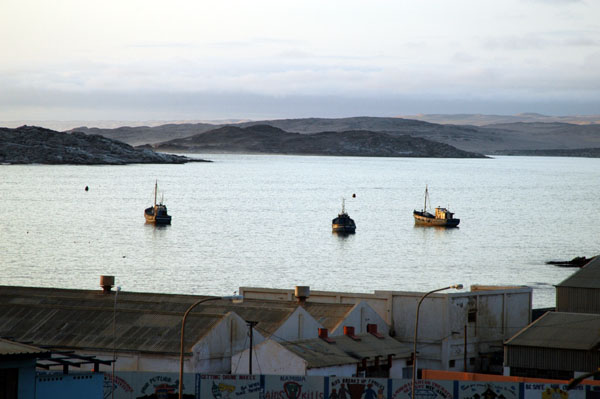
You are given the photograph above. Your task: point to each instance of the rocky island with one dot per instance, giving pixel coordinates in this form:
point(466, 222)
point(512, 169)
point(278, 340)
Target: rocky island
point(30, 144)
point(266, 139)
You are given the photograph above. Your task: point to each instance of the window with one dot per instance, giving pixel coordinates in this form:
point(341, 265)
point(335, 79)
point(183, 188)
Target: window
point(472, 315)
point(452, 363)
point(471, 361)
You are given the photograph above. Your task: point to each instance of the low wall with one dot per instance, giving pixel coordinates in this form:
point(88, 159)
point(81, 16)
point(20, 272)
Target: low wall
point(130, 385)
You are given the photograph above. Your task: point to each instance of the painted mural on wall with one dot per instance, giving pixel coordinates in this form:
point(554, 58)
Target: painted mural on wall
point(357, 388)
point(424, 389)
point(294, 387)
point(144, 385)
point(487, 390)
point(209, 386)
point(552, 391)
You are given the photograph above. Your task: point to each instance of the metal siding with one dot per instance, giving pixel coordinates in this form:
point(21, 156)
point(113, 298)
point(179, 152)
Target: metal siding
point(578, 300)
point(552, 359)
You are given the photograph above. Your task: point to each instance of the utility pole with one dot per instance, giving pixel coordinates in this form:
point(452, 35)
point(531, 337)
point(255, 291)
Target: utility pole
point(251, 325)
point(465, 350)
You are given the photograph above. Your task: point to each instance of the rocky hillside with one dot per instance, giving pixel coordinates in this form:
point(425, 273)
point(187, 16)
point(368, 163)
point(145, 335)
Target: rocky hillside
point(271, 140)
point(490, 139)
point(30, 144)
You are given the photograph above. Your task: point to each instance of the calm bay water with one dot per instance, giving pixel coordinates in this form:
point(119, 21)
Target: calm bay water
point(250, 220)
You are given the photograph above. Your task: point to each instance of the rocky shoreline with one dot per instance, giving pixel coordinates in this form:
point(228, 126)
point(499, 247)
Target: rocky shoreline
point(36, 145)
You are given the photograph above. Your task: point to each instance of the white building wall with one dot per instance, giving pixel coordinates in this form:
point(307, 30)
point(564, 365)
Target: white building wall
point(300, 325)
point(500, 312)
point(361, 315)
point(345, 370)
point(213, 353)
point(134, 362)
point(268, 358)
point(397, 366)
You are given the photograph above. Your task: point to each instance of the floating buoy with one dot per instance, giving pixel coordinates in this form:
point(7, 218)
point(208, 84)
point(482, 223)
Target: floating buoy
point(353, 195)
point(87, 188)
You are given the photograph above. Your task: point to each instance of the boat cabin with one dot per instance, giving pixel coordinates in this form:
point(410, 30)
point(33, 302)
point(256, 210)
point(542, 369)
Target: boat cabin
point(443, 213)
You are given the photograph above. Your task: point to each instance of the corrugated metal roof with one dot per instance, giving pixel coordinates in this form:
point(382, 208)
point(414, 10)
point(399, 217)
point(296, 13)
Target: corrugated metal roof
point(346, 350)
point(586, 277)
point(10, 348)
point(561, 330)
point(83, 319)
point(92, 328)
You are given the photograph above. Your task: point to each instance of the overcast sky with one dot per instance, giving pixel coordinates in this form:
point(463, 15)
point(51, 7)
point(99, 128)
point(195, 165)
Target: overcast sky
point(207, 59)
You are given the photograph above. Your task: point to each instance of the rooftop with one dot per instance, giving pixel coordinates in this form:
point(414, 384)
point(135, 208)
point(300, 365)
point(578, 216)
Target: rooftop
point(345, 350)
point(586, 277)
point(560, 330)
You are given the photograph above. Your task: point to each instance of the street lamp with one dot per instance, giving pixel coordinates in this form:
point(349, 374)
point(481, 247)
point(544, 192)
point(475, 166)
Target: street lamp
point(414, 367)
point(232, 298)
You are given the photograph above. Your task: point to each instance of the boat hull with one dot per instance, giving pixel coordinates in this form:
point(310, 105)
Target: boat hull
point(427, 219)
point(156, 217)
point(340, 228)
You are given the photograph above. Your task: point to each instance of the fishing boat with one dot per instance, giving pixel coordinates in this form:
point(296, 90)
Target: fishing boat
point(157, 213)
point(442, 218)
point(343, 223)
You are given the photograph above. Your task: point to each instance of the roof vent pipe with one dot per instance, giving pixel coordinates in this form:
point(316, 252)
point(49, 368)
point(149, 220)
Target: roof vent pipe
point(302, 292)
point(107, 282)
point(324, 336)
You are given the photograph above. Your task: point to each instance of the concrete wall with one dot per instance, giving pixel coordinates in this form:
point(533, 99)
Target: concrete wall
point(300, 325)
point(490, 317)
point(380, 303)
point(70, 386)
point(26, 376)
point(346, 370)
point(213, 353)
point(268, 358)
point(361, 315)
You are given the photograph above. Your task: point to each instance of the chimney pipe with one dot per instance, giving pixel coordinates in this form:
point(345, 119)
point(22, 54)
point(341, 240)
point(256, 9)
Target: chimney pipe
point(302, 292)
point(107, 282)
point(349, 332)
point(324, 337)
point(372, 329)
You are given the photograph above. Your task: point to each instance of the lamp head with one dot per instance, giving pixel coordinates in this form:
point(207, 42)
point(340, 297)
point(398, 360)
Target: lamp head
point(457, 286)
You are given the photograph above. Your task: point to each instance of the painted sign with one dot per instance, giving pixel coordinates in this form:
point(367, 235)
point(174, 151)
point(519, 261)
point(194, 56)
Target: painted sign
point(294, 387)
point(424, 389)
point(487, 390)
point(147, 385)
point(357, 388)
point(552, 391)
point(211, 386)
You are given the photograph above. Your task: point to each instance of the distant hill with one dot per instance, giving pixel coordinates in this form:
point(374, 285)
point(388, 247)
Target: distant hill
point(139, 135)
point(272, 140)
point(489, 139)
point(483, 119)
point(577, 152)
point(30, 144)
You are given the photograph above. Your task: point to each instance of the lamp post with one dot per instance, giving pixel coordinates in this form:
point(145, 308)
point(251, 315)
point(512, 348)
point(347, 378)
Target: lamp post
point(233, 298)
point(414, 367)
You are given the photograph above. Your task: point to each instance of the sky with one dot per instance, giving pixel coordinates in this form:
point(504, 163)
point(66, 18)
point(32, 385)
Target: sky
point(261, 59)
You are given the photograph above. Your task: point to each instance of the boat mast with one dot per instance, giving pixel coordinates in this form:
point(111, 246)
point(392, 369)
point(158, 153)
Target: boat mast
point(155, 190)
point(343, 205)
point(426, 195)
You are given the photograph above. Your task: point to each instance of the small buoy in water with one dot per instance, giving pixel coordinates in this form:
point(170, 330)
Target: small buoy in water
point(87, 188)
point(353, 195)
